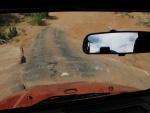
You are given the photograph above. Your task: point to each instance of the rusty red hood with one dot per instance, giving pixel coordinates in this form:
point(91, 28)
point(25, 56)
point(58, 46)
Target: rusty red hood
point(32, 96)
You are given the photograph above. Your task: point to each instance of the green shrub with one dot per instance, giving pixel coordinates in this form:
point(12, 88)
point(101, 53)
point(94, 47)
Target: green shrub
point(36, 18)
point(16, 40)
point(144, 22)
point(12, 32)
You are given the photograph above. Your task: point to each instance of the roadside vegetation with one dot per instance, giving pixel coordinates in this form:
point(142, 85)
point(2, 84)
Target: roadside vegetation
point(36, 18)
point(8, 36)
point(125, 14)
point(8, 22)
point(141, 20)
point(144, 22)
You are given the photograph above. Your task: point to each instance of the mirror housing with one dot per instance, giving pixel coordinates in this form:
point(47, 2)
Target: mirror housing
point(118, 42)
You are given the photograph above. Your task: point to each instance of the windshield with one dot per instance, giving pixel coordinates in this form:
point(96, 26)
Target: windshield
point(46, 48)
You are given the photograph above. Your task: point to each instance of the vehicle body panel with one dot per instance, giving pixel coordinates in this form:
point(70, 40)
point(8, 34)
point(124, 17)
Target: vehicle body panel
point(37, 94)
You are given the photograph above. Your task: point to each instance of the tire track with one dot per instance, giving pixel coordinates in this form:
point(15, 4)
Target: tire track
point(51, 57)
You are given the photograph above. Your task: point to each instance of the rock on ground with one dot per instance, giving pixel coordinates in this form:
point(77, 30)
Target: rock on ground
point(9, 56)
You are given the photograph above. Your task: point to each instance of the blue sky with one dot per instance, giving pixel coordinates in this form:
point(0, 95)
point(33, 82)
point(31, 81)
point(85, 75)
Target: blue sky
point(119, 42)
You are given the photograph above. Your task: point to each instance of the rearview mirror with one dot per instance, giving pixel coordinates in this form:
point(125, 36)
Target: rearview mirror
point(120, 43)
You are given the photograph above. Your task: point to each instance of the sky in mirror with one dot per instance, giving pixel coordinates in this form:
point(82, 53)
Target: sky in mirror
point(119, 42)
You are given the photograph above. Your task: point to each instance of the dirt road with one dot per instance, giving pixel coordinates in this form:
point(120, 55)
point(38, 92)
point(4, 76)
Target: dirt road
point(55, 57)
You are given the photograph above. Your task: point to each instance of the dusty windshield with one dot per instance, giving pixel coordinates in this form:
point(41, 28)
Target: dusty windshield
point(46, 48)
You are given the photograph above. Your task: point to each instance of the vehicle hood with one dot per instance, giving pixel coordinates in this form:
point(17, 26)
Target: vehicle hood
point(39, 93)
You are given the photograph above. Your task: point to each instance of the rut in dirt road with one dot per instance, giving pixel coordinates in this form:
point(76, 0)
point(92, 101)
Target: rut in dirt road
point(51, 56)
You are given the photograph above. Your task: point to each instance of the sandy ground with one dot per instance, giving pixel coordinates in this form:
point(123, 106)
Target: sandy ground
point(78, 25)
point(10, 58)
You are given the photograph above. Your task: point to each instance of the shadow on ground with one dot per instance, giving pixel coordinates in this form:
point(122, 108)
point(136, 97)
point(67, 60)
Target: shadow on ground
point(43, 23)
point(8, 19)
point(52, 17)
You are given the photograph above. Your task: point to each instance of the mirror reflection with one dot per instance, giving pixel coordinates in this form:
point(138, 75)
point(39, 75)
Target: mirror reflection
point(112, 42)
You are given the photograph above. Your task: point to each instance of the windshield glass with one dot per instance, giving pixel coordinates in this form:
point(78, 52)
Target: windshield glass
point(46, 48)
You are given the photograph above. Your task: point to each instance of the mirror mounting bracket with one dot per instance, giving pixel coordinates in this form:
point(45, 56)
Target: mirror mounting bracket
point(113, 30)
point(121, 54)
